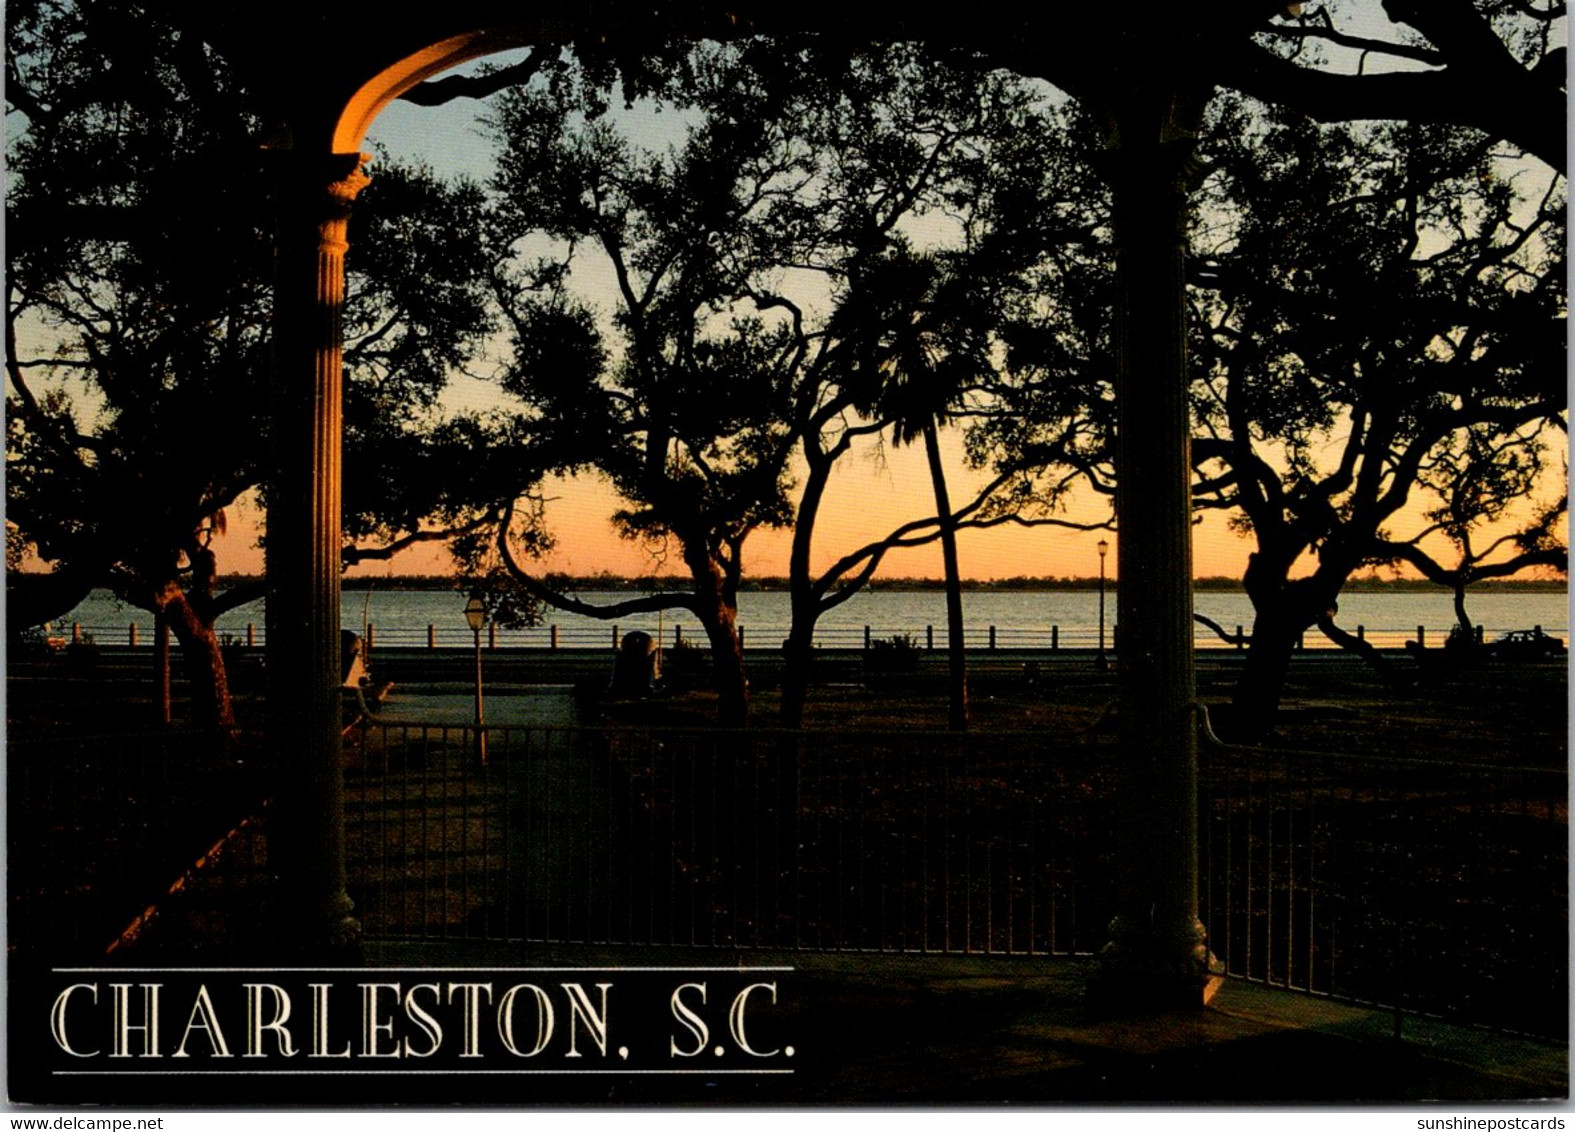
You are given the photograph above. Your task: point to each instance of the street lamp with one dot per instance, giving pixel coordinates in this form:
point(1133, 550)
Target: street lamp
point(1099, 662)
point(476, 617)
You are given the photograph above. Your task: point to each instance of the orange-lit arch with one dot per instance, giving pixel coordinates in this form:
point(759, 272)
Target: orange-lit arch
point(377, 92)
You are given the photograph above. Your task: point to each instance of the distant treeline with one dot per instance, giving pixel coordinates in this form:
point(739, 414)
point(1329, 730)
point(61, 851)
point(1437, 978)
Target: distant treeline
point(648, 583)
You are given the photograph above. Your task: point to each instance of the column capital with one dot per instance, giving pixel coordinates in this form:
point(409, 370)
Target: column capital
point(316, 189)
point(1150, 135)
point(297, 168)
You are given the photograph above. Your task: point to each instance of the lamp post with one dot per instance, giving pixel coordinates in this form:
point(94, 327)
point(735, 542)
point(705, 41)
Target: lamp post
point(1100, 661)
point(476, 617)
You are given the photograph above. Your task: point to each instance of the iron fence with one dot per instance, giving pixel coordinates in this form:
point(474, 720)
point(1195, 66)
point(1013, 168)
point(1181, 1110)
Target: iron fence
point(1430, 886)
point(897, 842)
point(1424, 885)
point(100, 829)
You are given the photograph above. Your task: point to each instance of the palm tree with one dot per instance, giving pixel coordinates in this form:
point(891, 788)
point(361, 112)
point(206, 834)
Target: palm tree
point(923, 349)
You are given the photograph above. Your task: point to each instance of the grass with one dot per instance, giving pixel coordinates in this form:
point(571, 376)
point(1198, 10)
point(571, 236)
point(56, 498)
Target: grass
point(1511, 713)
point(1503, 712)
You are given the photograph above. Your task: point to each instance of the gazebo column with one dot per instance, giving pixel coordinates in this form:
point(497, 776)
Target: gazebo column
point(1157, 957)
point(306, 826)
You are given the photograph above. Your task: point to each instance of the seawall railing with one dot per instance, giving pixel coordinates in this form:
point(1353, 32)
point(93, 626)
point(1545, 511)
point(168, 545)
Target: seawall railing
point(984, 637)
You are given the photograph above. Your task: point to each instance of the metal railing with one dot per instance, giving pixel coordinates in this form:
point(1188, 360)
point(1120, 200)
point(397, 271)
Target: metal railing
point(981, 637)
point(100, 827)
point(1423, 885)
point(901, 842)
point(1427, 886)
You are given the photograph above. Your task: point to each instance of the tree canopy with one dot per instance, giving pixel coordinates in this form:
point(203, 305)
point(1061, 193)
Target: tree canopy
point(828, 234)
point(139, 275)
point(1380, 360)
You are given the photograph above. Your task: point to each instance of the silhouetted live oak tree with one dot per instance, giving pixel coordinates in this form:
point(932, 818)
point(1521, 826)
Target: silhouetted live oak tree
point(911, 335)
point(773, 303)
point(1381, 326)
point(679, 394)
point(66, 63)
point(139, 271)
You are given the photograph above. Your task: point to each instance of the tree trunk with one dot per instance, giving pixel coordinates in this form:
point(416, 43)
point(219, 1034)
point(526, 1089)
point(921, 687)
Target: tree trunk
point(799, 649)
point(1284, 610)
point(727, 665)
point(718, 615)
point(161, 666)
point(1461, 616)
point(1256, 700)
point(797, 656)
point(205, 673)
point(956, 651)
point(211, 705)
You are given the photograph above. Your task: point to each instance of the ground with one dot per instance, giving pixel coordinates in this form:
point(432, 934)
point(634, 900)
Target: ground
point(1508, 712)
point(1504, 712)
point(974, 1029)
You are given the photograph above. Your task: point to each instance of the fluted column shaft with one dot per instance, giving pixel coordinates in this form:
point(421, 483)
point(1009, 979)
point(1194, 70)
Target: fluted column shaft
point(1156, 957)
point(306, 829)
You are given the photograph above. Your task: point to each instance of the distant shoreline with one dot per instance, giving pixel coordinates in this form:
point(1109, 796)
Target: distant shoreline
point(608, 583)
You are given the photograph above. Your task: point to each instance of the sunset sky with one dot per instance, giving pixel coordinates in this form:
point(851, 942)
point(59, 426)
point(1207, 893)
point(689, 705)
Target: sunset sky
point(869, 495)
point(865, 503)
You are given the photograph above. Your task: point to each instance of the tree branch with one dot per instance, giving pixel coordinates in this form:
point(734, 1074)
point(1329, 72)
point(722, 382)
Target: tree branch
point(238, 595)
point(1523, 110)
point(1442, 575)
point(436, 92)
point(351, 555)
point(1363, 648)
point(1326, 30)
point(537, 589)
point(1216, 628)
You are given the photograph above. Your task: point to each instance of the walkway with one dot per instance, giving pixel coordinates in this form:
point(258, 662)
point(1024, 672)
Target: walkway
point(963, 1030)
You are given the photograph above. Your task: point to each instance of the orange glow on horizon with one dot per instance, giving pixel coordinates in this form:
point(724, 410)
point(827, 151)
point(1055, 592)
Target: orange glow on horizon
point(865, 502)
